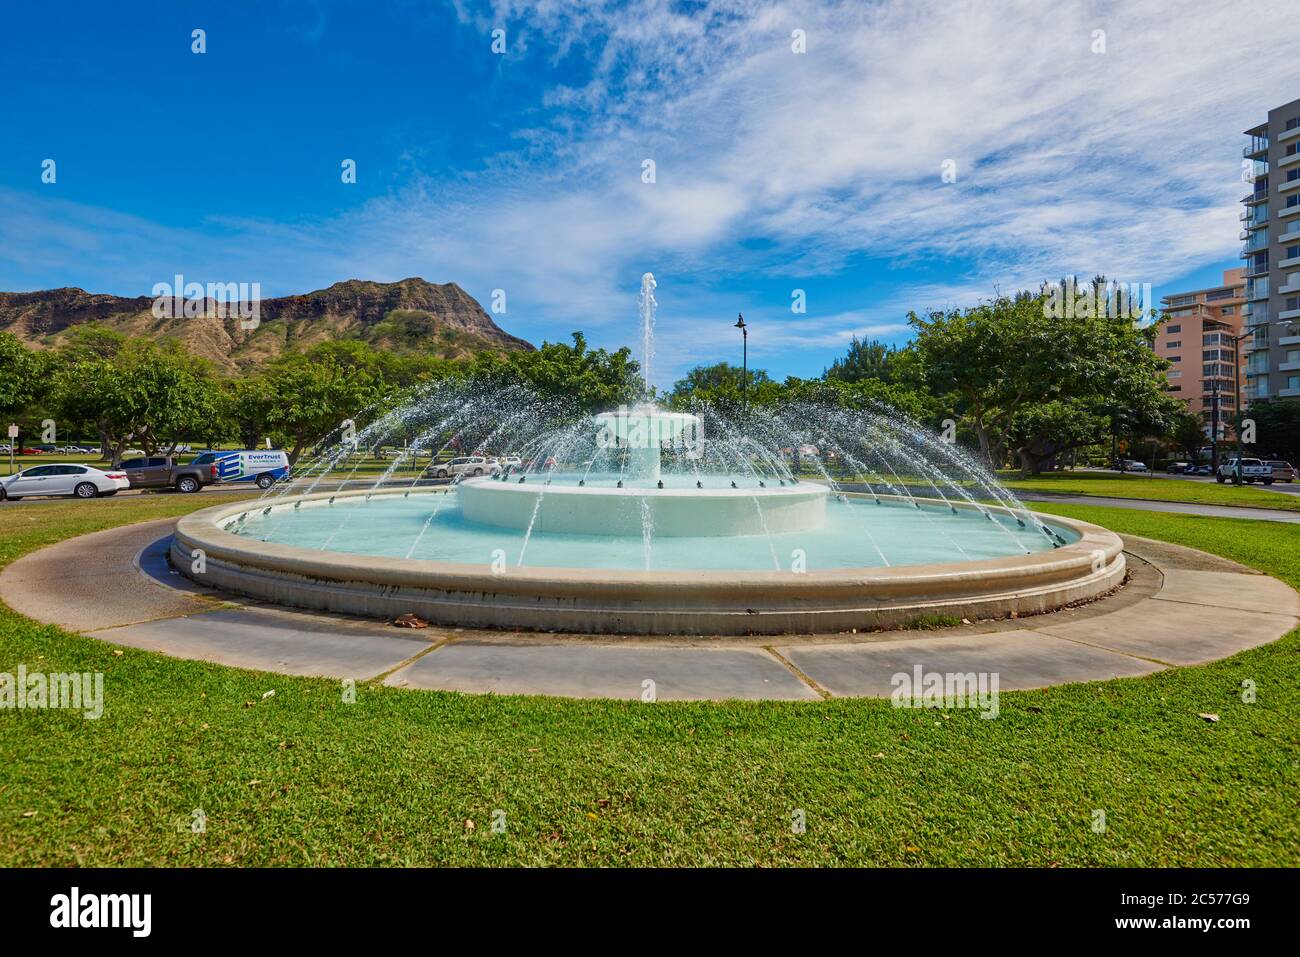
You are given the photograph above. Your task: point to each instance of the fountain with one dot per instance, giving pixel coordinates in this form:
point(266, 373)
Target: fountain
point(807, 517)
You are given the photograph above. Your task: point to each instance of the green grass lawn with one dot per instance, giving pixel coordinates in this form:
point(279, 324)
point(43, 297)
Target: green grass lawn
point(1152, 488)
point(399, 777)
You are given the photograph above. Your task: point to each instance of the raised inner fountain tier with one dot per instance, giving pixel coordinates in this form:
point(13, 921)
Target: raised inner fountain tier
point(637, 499)
point(642, 432)
point(599, 507)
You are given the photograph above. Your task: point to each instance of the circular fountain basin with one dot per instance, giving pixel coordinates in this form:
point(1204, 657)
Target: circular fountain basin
point(712, 585)
point(601, 508)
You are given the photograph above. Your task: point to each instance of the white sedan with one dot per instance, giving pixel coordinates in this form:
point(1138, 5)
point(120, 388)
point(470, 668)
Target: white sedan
point(81, 481)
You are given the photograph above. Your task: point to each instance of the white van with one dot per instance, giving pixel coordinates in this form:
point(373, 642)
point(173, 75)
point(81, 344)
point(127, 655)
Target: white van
point(264, 467)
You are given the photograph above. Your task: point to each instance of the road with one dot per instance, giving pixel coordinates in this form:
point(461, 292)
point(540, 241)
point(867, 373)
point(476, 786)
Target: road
point(222, 492)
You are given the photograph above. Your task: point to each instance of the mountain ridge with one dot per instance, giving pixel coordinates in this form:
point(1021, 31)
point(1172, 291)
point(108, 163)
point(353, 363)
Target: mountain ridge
point(408, 316)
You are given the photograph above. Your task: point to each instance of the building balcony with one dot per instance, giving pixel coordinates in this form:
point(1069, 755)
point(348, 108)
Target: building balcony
point(1289, 341)
point(1286, 161)
point(1292, 286)
point(1291, 263)
point(1289, 135)
point(1259, 196)
point(1288, 393)
point(1288, 211)
point(1257, 146)
point(1290, 236)
point(1288, 367)
point(1289, 186)
point(1289, 315)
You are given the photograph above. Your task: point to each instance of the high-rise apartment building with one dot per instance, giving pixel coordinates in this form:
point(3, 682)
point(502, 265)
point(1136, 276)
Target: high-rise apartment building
point(1271, 250)
point(1198, 339)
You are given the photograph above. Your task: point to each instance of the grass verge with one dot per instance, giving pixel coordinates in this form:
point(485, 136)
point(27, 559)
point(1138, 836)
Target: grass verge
point(411, 778)
point(1154, 488)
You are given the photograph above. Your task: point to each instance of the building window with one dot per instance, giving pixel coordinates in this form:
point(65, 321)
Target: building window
point(1172, 329)
point(1175, 373)
point(1216, 294)
point(1175, 358)
point(1174, 344)
point(1227, 310)
point(1182, 300)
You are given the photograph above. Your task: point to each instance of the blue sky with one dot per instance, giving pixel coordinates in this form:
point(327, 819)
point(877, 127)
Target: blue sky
point(775, 170)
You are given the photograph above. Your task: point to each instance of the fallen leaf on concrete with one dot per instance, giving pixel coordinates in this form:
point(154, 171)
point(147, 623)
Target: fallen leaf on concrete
point(410, 620)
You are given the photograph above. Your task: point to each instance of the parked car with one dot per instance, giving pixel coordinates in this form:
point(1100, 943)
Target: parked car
point(1252, 470)
point(464, 465)
point(1179, 468)
point(165, 471)
point(509, 461)
point(263, 467)
point(80, 481)
point(31, 450)
point(1282, 471)
point(1132, 465)
point(1206, 469)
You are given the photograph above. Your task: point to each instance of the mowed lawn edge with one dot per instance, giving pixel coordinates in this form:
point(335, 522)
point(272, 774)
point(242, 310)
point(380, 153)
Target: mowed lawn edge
point(418, 778)
point(1155, 488)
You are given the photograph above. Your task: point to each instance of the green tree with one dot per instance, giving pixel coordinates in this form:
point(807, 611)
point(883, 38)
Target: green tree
point(1033, 382)
point(303, 397)
point(1277, 429)
point(1188, 434)
point(23, 376)
point(864, 360)
point(146, 393)
point(720, 384)
point(592, 379)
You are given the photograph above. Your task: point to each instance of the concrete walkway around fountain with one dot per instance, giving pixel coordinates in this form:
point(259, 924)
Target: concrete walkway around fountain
point(1180, 607)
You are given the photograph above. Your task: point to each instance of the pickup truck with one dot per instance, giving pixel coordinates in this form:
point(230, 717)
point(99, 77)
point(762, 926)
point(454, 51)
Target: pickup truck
point(163, 471)
point(1252, 470)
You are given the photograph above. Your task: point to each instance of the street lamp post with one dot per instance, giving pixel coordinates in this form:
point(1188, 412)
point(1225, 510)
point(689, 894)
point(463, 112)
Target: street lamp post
point(744, 361)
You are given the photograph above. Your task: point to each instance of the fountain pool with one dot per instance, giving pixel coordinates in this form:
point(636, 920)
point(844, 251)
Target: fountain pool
point(803, 518)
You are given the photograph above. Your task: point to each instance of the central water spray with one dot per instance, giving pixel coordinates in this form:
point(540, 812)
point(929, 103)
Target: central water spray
point(648, 305)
